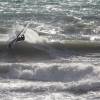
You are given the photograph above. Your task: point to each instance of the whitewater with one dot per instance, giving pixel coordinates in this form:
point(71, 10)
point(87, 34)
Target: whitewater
point(60, 56)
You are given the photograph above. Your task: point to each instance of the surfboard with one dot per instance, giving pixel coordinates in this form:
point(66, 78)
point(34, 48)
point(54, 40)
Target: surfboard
point(22, 32)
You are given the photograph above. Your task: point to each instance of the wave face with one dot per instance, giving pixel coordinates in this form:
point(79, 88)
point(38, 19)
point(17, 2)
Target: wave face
point(60, 56)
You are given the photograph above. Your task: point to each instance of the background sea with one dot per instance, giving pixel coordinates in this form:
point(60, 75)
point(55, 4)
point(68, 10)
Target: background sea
point(60, 57)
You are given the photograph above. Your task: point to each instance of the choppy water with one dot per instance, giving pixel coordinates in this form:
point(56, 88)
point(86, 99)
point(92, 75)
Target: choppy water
point(60, 57)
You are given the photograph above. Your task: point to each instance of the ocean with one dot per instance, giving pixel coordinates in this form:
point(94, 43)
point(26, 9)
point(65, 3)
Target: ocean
point(60, 57)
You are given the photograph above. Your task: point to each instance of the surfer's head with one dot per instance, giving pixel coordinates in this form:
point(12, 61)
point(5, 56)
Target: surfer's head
point(21, 38)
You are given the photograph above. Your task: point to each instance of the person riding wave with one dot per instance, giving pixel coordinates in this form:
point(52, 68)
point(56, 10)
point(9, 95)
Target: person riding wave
point(21, 38)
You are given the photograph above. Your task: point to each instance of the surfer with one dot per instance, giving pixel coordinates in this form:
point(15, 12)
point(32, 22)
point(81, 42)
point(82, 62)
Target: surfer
point(21, 38)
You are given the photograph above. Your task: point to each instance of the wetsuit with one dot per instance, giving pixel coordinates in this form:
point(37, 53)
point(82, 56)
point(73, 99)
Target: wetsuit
point(18, 39)
point(21, 38)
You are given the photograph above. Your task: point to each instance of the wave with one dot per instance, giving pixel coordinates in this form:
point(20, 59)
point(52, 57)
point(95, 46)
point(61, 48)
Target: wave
point(32, 38)
point(37, 46)
point(24, 51)
point(74, 78)
point(44, 87)
point(84, 88)
point(53, 48)
point(46, 72)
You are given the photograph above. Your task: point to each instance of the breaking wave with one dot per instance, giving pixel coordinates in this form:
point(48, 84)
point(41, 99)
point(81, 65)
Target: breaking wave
point(73, 78)
point(84, 88)
point(38, 46)
point(30, 35)
point(43, 72)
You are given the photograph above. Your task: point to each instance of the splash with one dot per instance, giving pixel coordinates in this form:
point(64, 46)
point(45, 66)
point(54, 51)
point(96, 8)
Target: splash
point(30, 35)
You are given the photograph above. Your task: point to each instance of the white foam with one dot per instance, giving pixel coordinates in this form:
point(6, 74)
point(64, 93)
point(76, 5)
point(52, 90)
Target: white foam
point(14, 31)
point(27, 74)
point(93, 38)
point(30, 35)
point(3, 37)
point(33, 37)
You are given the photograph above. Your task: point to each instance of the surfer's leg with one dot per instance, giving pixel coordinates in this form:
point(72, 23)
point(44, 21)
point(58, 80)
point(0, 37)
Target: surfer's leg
point(10, 45)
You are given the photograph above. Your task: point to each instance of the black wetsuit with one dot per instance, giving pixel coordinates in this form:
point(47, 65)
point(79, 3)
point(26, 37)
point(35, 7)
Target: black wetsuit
point(22, 38)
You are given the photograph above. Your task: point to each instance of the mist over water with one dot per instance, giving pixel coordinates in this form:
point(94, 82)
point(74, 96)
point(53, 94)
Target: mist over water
point(60, 57)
